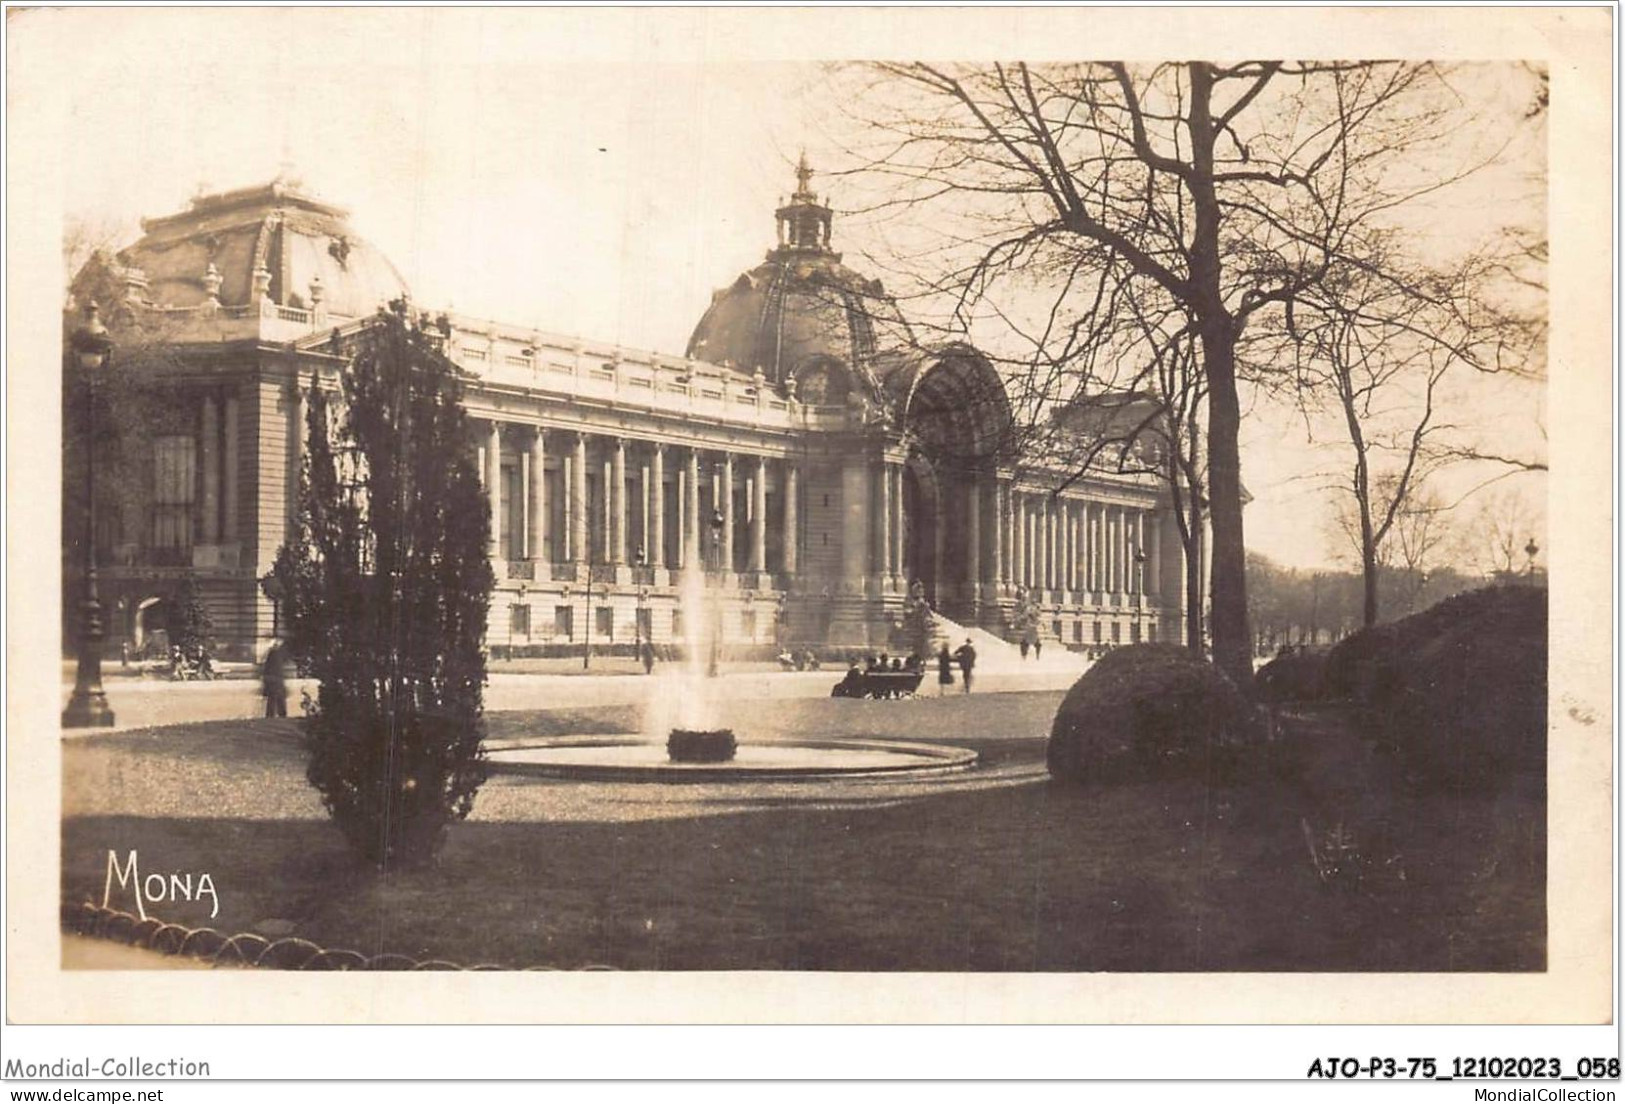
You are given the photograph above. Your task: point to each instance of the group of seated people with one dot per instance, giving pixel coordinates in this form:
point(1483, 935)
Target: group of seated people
point(881, 676)
point(799, 659)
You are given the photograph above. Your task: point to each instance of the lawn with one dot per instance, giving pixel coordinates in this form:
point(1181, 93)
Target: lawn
point(997, 869)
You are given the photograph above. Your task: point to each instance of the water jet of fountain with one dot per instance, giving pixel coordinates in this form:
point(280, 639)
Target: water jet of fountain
point(686, 703)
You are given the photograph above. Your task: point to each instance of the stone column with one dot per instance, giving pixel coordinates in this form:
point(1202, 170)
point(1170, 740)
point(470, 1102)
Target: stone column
point(1069, 548)
point(210, 455)
point(536, 497)
point(657, 535)
point(855, 528)
point(883, 562)
point(1018, 537)
point(1063, 545)
point(792, 506)
point(1097, 549)
point(1058, 549)
point(1103, 565)
point(296, 453)
point(1103, 548)
point(1154, 585)
point(973, 537)
point(617, 500)
point(1077, 548)
point(1116, 526)
point(1100, 549)
point(1128, 551)
point(523, 505)
point(1049, 543)
point(650, 559)
point(758, 518)
point(898, 519)
point(493, 487)
point(1035, 544)
point(693, 555)
point(606, 495)
point(727, 507)
point(578, 502)
point(940, 509)
point(1000, 530)
point(1142, 563)
point(228, 526)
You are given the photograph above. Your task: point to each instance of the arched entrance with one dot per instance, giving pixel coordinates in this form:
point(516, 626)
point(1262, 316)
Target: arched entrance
point(150, 629)
point(957, 418)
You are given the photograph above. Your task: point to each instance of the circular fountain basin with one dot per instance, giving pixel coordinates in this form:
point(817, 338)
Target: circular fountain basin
point(634, 759)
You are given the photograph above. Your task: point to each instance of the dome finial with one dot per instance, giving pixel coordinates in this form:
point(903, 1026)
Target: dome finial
point(803, 177)
point(803, 222)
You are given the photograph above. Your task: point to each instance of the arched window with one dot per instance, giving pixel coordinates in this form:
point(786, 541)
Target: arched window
point(822, 381)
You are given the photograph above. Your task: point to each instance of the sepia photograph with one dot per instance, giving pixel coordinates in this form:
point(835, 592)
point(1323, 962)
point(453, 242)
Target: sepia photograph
point(695, 510)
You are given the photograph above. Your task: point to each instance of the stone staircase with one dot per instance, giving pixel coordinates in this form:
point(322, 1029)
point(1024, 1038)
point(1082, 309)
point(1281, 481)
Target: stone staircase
point(998, 655)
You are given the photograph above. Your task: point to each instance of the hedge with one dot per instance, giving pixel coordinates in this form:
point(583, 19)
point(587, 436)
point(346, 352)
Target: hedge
point(1149, 708)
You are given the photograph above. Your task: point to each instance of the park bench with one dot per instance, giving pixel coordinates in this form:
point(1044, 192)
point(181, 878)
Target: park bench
point(878, 684)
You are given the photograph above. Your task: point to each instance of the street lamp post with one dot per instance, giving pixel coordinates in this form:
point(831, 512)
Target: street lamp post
point(716, 523)
point(643, 601)
point(87, 707)
point(586, 652)
point(1139, 587)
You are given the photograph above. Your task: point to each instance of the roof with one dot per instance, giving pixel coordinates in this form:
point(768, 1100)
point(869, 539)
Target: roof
point(304, 246)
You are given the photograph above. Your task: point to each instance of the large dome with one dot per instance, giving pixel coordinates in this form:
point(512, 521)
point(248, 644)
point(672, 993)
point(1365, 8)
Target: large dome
point(304, 246)
point(802, 318)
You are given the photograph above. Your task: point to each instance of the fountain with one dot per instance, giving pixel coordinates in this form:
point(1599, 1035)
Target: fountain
point(697, 739)
point(682, 738)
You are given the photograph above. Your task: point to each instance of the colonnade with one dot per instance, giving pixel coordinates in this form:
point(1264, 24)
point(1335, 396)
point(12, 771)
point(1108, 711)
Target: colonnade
point(631, 505)
point(1079, 546)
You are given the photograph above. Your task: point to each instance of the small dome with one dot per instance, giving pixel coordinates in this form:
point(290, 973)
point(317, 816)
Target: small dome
point(306, 248)
point(803, 317)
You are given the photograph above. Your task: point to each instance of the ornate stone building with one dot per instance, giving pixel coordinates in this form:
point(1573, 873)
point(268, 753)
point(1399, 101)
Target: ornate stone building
point(828, 469)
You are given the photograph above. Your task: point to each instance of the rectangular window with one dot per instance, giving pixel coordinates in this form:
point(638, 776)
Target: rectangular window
point(564, 623)
point(747, 624)
point(1134, 633)
point(519, 620)
point(1097, 632)
point(646, 624)
point(677, 627)
point(1117, 633)
point(1077, 632)
point(1055, 627)
point(1151, 632)
point(174, 491)
point(604, 623)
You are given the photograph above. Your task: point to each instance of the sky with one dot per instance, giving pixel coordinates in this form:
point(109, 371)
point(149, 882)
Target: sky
point(590, 173)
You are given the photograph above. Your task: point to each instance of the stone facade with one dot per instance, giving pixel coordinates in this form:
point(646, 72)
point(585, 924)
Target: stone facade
point(826, 472)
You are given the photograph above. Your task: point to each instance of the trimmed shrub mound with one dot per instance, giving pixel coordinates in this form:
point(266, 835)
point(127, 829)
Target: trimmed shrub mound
point(1155, 708)
point(1299, 675)
point(1458, 690)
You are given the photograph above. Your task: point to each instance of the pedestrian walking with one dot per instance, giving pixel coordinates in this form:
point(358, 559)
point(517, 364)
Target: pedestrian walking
point(966, 655)
point(945, 670)
point(274, 680)
point(647, 654)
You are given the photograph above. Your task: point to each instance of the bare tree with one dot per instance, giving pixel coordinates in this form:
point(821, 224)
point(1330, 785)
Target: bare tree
point(1497, 539)
point(1407, 547)
point(1377, 351)
point(1222, 192)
